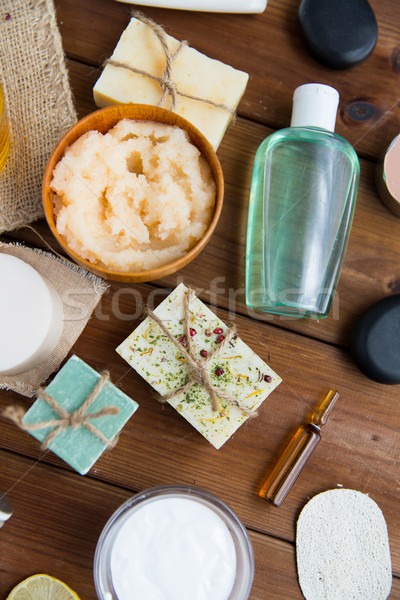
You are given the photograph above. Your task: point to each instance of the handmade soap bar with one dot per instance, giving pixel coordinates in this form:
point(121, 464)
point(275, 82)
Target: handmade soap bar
point(193, 73)
point(235, 370)
point(79, 446)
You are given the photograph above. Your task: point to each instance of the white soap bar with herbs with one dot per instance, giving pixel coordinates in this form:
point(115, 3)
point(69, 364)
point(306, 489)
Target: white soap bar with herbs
point(245, 376)
point(193, 73)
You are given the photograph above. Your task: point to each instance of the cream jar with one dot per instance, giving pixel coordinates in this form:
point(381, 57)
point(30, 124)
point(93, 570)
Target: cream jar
point(388, 177)
point(174, 542)
point(31, 316)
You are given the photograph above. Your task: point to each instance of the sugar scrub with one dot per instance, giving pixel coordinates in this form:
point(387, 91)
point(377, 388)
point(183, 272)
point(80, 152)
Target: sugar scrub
point(135, 198)
point(173, 549)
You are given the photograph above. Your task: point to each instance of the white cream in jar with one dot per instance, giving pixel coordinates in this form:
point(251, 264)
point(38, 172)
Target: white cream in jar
point(175, 549)
point(174, 543)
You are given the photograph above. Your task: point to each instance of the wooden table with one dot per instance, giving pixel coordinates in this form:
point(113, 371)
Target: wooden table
point(60, 514)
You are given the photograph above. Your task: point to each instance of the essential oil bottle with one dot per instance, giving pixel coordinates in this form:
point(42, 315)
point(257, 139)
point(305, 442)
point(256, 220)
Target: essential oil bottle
point(302, 201)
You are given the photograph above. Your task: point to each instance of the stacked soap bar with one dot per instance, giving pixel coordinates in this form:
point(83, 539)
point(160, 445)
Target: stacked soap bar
point(236, 369)
point(72, 385)
point(193, 73)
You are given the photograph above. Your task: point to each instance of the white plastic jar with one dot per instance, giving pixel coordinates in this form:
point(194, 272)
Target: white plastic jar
point(31, 316)
point(174, 543)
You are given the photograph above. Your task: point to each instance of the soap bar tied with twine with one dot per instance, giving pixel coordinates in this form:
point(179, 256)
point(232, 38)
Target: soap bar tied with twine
point(198, 367)
point(78, 418)
point(168, 86)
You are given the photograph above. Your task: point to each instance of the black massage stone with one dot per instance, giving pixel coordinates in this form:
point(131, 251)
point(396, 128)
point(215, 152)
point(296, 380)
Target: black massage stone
point(339, 33)
point(376, 341)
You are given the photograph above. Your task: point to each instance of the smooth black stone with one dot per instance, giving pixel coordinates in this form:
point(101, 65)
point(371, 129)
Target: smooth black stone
point(339, 33)
point(376, 341)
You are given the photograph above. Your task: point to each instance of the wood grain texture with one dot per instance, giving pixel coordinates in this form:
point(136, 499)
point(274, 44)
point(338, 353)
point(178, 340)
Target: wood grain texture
point(369, 107)
point(59, 514)
point(372, 265)
point(359, 447)
point(63, 546)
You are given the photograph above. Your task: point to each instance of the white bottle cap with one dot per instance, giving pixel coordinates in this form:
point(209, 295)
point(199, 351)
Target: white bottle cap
point(315, 105)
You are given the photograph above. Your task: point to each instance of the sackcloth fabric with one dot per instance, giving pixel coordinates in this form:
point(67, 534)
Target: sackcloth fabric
point(38, 102)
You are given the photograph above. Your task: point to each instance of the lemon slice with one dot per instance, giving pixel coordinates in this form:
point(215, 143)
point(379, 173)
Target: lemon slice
point(42, 587)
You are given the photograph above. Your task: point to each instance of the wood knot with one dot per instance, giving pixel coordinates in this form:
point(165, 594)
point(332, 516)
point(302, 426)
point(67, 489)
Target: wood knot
point(393, 286)
point(360, 111)
point(395, 59)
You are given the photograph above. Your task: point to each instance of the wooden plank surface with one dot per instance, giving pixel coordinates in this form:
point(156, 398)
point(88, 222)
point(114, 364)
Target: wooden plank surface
point(63, 546)
point(372, 265)
point(369, 108)
point(60, 514)
point(359, 444)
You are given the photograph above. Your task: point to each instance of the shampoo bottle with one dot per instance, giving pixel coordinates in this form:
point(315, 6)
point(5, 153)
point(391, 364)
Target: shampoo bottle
point(302, 201)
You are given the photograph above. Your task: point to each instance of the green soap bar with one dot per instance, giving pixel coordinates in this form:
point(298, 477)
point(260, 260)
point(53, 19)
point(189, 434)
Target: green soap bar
point(78, 446)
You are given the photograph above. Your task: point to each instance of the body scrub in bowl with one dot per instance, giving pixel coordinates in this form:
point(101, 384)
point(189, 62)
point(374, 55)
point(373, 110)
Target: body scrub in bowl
point(134, 193)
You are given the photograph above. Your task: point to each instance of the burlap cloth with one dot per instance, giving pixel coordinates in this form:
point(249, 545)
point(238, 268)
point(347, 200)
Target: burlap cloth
point(38, 103)
point(80, 292)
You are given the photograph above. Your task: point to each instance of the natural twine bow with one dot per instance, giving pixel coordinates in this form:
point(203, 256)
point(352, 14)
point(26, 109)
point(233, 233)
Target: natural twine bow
point(168, 86)
point(75, 419)
point(198, 367)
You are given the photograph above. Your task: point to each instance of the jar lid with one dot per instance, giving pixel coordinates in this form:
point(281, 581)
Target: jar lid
point(31, 316)
point(376, 341)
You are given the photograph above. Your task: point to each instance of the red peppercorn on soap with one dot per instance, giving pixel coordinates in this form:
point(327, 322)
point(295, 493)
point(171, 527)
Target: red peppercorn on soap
point(240, 378)
point(208, 82)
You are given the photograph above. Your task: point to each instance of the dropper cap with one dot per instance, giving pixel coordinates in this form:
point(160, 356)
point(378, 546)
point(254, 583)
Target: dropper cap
point(315, 105)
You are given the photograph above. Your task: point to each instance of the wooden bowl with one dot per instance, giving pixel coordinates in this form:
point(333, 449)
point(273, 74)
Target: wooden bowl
point(103, 120)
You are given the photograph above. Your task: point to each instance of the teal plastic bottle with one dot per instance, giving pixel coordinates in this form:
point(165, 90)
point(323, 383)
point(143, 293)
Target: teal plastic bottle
point(302, 200)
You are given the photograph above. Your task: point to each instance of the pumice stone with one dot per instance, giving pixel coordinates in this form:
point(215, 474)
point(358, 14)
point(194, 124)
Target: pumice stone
point(341, 33)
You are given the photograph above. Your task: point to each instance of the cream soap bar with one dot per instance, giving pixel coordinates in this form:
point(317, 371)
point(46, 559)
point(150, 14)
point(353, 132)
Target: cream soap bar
point(244, 376)
point(192, 72)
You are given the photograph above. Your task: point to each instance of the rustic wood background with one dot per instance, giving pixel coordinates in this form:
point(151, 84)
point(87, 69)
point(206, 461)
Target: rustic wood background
point(59, 514)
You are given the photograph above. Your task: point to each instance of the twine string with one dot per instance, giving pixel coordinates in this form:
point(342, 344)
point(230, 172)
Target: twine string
point(77, 418)
point(168, 86)
point(45, 242)
point(198, 367)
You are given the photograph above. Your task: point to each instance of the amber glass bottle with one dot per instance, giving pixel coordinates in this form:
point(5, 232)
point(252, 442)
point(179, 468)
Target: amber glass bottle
point(4, 133)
